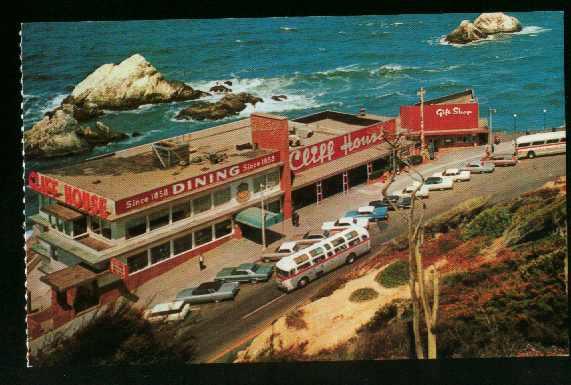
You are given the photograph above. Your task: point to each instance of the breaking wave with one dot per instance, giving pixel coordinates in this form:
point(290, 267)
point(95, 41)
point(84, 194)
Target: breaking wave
point(531, 30)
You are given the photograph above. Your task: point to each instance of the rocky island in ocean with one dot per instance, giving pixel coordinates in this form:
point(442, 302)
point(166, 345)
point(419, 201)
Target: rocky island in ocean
point(69, 129)
point(484, 25)
point(229, 105)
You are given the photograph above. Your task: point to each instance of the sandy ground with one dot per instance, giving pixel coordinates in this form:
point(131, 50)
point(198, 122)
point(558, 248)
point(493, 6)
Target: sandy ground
point(330, 320)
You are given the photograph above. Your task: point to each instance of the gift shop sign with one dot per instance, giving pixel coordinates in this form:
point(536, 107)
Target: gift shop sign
point(194, 183)
point(441, 116)
point(310, 156)
point(84, 201)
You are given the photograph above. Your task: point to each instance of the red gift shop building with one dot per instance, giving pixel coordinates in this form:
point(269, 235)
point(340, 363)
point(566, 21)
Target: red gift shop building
point(449, 121)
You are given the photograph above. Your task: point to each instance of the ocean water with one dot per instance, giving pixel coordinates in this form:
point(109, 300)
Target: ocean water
point(339, 63)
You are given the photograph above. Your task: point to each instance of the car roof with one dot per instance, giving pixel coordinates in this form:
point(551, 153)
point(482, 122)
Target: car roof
point(210, 285)
point(161, 307)
point(366, 208)
point(246, 266)
point(452, 170)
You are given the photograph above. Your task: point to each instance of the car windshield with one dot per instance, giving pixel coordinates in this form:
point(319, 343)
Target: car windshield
point(254, 268)
point(432, 180)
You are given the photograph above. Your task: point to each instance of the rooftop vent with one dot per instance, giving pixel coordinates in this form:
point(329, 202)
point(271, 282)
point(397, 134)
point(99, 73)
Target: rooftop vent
point(362, 111)
point(244, 146)
point(170, 153)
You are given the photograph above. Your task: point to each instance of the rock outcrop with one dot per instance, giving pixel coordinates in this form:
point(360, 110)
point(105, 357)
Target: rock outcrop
point(218, 88)
point(129, 84)
point(53, 136)
point(59, 133)
point(279, 98)
point(486, 24)
point(229, 105)
point(497, 22)
point(466, 32)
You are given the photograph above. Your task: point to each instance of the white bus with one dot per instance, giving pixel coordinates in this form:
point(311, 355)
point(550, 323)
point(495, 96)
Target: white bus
point(530, 146)
point(298, 269)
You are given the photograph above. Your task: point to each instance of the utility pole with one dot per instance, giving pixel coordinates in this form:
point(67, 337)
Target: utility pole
point(491, 136)
point(421, 94)
point(263, 219)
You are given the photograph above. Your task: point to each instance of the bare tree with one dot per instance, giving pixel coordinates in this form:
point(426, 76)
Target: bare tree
point(417, 279)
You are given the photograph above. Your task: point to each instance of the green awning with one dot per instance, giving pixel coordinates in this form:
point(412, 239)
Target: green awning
point(252, 216)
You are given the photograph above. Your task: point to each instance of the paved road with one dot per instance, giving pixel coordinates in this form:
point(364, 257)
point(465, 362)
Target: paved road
point(221, 327)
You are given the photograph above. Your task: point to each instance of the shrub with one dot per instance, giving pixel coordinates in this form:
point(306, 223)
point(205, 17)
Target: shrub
point(396, 274)
point(538, 223)
point(458, 215)
point(117, 336)
point(364, 294)
point(491, 222)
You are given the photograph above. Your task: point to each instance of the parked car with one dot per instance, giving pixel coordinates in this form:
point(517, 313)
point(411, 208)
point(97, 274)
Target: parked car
point(246, 272)
point(421, 192)
point(345, 222)
point(209, 292)
point(167, 312)
point(405, 202)
point(379, 203)
point(372, 213)
point(286, 248)
point(391, 198)
point(503, 161)
point(456, 174)
point(438, 183)
point(478, 167)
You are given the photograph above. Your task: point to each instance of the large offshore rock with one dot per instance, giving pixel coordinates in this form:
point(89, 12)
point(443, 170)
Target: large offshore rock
point(465, 33)
point(229, 105)
point(129, 84)
point(59, 134)
point(54, 135)
point(496, 22)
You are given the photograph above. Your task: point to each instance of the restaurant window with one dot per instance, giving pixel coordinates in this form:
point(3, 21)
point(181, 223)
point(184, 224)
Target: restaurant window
point(136, 226)
point(67, 226)
point(203, 236)
point(158, 219)
point(274, 207)
point(222, 196)
point(160, 252)
point(182, 244)
point(273, 179)
point(259, 181)
point(180, 211)
point(80, 226)
point(201, 204)
point(223, 228)
point(105, 229)
point(138, 261)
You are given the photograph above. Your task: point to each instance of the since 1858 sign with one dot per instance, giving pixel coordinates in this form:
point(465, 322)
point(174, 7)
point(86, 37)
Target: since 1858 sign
point(194, 183)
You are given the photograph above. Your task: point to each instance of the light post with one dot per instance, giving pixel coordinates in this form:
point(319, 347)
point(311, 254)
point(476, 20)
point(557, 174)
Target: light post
point(515, 126)
point(544, 112)
point(263, 187)
point(491, 136)
point(421, 94)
